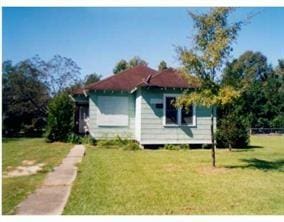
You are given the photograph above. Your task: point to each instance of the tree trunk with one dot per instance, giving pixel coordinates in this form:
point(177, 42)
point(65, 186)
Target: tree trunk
point(230, 147)
point(213, 147)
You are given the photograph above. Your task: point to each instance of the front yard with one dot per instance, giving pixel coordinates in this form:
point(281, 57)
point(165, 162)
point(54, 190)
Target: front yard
point(25, 152)
point(247, 181)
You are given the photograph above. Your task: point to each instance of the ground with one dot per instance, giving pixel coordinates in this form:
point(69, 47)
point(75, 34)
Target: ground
point(25, 153)
point(246, 181)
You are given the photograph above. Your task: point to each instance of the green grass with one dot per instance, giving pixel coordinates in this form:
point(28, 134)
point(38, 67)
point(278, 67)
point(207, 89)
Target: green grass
point(247, 181)
point(16, 189)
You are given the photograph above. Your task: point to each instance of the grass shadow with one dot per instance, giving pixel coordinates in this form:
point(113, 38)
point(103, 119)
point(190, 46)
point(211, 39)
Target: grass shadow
point(265, 165)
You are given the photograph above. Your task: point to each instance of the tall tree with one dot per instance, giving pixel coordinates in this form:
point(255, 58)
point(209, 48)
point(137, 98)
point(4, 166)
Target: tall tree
point(92, 78)
point(60, 72)
point(123, 64)
point(120, 66)
point(212, 45)
point(136, 60)
point(163, 65)
point(25, 98)
point(259, 100)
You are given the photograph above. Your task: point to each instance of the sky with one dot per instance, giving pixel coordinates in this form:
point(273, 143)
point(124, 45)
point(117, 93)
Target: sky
point(97, 38)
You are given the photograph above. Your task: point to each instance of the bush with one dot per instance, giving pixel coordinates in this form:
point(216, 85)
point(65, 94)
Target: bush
point(88, 140)
point(176, 147)
point(74, 138)
point(232, 130)
point(60, 122)
point(132, 146)
point(118, 143)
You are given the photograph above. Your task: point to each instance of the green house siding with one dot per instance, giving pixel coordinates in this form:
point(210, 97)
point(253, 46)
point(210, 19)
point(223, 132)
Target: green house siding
point(154, 132)
point(109, 132)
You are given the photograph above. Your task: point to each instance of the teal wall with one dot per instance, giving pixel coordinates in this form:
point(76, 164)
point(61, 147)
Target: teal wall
point(153, 131)
point(108, 132)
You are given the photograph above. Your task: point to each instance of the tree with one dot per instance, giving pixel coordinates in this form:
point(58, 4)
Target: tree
point(259, 101)
point(92, 78)
point(60, 118)
point(211, 48)
point(123, 64)
point(135, 61)
point(25, 99)
point(60, 72)
point(162, 65)
point(120, 66)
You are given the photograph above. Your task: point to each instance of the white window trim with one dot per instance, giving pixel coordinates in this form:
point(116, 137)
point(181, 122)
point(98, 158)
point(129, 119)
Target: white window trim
point(178, 113)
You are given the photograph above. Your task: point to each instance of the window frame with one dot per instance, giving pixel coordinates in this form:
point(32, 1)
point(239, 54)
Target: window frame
point(179, 113)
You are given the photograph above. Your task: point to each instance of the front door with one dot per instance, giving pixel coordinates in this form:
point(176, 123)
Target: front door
point(83, 119)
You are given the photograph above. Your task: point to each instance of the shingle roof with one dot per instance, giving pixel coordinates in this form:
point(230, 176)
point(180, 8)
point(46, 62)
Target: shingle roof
point(140, 75)
point(126, 80)
point(170, 78)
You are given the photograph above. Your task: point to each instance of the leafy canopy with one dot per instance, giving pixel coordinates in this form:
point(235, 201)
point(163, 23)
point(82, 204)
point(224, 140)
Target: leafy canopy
point(211, 48)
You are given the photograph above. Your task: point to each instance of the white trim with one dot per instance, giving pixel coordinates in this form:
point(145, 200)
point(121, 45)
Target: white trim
point(138, 107)
point(178, 113)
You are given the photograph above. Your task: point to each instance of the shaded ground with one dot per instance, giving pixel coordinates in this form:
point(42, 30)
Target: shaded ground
point(246, 181)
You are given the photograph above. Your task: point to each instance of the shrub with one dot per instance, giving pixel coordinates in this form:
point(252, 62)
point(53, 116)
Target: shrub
point(60, 122)
point(88, 140)
point(131, 145)
point(176, 147)
point(118, 143)
point(74, 138)
point(232, 130)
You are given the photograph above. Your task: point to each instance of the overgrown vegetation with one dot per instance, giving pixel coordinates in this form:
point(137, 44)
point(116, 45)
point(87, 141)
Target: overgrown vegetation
point(118, 143)
point(176, 147)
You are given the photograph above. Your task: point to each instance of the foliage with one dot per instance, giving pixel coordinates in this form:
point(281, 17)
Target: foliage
point(92, 78)
point(118, 143)
point(59, 73)
point(232, 131)
point(74, 138)
point(88, 139)
point(60, 118)
point(176, 147)
point(135, 61)
point(260, 102)
point(120, 66)
point(211, 48)
point(25, 99)
point(158, 182)
point(123, 64)
point(163, 65)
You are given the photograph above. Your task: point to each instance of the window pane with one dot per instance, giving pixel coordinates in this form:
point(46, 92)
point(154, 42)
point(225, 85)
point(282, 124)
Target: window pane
point(171, 111)
point(187, 115)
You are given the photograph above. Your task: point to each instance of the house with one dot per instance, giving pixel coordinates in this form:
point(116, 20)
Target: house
point(137, 104)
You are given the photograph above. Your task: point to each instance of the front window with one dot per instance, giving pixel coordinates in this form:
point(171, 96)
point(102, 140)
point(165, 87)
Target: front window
point(187, 115)
point(171, 111)
point(178, 116)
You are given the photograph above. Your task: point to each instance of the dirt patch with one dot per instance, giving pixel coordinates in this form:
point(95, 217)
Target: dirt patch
point(27, 168)
point(209, 170)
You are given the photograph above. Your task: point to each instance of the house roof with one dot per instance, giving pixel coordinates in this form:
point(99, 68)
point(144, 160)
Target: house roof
point(126, 80)
point(140, 75)
point(168, 78)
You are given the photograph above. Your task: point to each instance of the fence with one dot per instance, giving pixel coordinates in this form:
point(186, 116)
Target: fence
point(266, 131)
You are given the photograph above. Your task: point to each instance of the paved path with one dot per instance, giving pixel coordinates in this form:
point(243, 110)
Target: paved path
point(52, 196)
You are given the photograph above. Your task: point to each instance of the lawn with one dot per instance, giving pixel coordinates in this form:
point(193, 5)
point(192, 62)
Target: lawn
point(16, 189)
point(246, 181)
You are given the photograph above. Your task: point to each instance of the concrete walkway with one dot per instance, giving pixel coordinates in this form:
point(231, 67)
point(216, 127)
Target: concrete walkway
point(52, 196)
